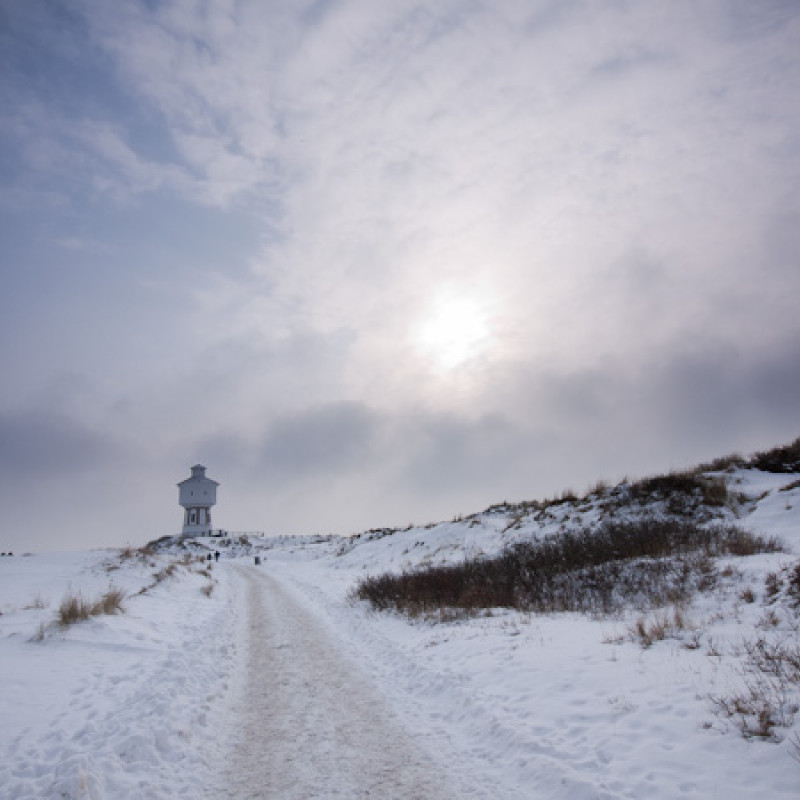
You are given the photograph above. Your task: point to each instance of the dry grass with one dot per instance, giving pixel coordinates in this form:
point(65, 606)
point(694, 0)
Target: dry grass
point(189, 561)
point(165, 573)
point(661, 625)
point(109, 603)
point(75, 608)
point(747, 595)
point(36, 603)
point(41, 631)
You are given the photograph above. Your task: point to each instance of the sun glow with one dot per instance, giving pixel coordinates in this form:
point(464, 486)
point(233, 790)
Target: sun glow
point(455, 329)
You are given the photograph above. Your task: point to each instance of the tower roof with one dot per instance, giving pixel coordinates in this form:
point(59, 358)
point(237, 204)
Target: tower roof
point(198, 476)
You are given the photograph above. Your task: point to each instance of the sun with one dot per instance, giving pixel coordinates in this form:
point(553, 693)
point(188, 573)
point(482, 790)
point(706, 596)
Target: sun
point(454, 330)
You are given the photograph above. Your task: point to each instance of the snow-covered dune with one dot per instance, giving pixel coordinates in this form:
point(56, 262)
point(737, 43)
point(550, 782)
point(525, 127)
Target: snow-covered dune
point(148, 703)
point(115, 706)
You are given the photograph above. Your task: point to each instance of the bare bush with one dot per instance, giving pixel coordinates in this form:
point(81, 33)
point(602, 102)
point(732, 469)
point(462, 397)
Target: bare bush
point(648, 563)
point(682, 492)
point(783, 587)
point(793, 585)
point(784, 459)
point(724, 463)
point(770, 698)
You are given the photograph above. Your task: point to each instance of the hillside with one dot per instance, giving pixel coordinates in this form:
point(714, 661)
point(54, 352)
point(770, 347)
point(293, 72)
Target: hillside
point(694, 697)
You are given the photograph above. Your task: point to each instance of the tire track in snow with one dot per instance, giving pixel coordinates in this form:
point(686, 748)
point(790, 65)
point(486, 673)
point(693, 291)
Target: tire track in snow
point(309, 723)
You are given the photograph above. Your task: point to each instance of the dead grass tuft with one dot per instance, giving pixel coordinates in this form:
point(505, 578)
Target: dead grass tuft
point(40, 634)
point(661, 625)
point(36, 603)
point(75, 608)
point(109, 603)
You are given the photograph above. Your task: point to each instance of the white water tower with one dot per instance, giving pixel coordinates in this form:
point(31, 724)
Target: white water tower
point(197, 494)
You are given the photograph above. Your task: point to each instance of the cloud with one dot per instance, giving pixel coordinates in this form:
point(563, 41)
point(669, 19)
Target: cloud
point(686, 402)
point(705, 394)
point(329, 441)
point(447, 454)
point(81, 244)
point(40, 445)
point(611, 188)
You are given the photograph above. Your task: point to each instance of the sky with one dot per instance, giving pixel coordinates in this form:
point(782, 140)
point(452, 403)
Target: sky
point(376, 264)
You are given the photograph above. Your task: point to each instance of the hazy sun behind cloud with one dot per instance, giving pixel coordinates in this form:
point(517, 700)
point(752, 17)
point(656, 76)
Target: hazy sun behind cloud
point(454, 329)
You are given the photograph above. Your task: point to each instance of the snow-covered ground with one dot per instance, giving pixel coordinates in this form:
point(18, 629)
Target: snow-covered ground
point(175, 696)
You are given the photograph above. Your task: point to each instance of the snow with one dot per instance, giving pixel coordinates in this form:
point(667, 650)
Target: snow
point(116, 706)
point(201, 686)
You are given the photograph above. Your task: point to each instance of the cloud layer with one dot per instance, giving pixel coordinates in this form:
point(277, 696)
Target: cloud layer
point(381, 262)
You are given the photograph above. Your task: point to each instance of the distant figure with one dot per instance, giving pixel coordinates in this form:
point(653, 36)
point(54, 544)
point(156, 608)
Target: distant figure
point(208, 557)
point(216, 555)
point(258, 560)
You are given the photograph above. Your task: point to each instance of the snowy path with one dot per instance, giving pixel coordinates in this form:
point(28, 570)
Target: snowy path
point(310, 723)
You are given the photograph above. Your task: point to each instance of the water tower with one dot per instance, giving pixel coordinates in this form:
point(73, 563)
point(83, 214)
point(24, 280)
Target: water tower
point(197, 494)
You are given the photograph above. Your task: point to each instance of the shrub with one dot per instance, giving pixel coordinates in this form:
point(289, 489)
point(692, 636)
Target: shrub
point(793, 588)
point(771, 674)
point(647, 563)
point(737, 542)
point(772, 587)
point(724, 463)
point(779, 459)
point(783, 587)
point(682, 491)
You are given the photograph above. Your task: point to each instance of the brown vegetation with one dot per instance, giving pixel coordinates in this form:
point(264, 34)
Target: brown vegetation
point(647, 563)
